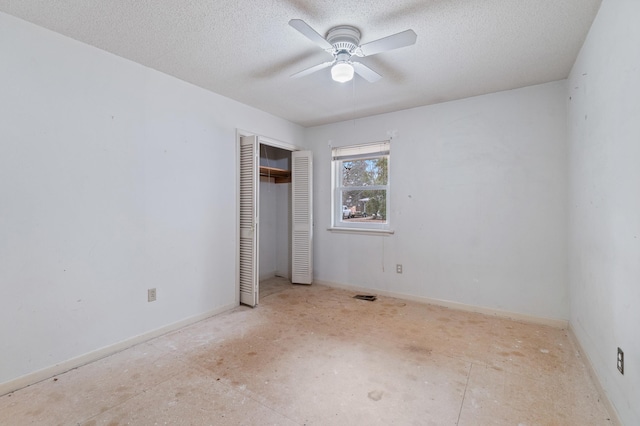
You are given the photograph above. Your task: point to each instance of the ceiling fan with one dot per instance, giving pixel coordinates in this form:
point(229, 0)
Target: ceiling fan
point(343, 42)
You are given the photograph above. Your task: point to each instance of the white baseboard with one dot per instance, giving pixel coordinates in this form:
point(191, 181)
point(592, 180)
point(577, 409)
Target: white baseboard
point(48, 372)
point(552, 322)
point(615, 420)
point(282, 274)
point(268, 276)
point(274, 275)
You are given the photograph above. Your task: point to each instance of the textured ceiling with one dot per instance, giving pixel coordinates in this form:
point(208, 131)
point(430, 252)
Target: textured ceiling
point(245, 49)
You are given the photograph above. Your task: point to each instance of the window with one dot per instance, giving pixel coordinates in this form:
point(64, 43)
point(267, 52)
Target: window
point(361, 186)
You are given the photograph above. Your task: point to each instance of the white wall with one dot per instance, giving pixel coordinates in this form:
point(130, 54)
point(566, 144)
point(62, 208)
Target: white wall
point(114, 178)
point(604, 238)
point(275, 235)
point(478, 203)
point(267, 228)
point(283, 230)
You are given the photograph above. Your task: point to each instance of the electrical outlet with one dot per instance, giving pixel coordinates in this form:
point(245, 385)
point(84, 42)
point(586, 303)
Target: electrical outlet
point(151, 295)
point(399, 268)
point(620, 361)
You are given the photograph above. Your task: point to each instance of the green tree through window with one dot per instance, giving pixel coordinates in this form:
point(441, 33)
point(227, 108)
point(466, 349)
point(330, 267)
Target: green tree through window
point(361, 175)
point(362, 183)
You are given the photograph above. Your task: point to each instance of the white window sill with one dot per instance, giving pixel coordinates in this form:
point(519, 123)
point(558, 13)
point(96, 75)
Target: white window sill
point(361, 231)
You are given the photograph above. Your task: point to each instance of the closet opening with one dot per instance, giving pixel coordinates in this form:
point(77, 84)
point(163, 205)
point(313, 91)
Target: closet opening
point(274, 264)
point(275, 217)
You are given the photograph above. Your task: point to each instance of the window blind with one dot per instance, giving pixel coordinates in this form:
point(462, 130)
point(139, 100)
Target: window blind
point(353, 152)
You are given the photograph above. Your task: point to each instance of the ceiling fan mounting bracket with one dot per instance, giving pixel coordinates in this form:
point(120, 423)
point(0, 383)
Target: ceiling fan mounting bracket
point(344, 38)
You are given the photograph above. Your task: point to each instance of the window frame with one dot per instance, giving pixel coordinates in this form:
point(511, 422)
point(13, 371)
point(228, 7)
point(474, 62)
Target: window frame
point(340, 155)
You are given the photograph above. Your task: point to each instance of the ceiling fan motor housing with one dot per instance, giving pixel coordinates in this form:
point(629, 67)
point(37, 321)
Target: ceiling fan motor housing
point(344, 38)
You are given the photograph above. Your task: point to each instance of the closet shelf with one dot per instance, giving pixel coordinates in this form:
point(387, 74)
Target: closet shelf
point(280, 175)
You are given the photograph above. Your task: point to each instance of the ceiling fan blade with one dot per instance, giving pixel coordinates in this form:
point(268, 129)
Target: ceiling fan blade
point(310, 33)
point(365, 72)
point(395, 41)
point(312, 69)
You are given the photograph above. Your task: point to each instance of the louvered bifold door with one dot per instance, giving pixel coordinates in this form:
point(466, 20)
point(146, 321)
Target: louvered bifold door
point(249, 220)
point(302, 217)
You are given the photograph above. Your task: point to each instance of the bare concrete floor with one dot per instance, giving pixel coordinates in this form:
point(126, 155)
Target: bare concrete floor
point(314, 355)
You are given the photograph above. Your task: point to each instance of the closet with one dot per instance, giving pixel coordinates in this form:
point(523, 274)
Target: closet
point(274, 213)
point(275, 209)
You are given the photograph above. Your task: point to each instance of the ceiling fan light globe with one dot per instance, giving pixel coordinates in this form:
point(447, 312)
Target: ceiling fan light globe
point(342, 72)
